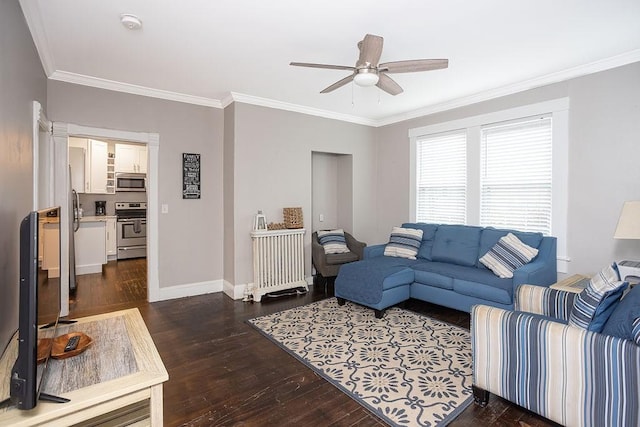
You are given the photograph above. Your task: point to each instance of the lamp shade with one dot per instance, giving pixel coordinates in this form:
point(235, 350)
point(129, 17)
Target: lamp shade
point(629, 222)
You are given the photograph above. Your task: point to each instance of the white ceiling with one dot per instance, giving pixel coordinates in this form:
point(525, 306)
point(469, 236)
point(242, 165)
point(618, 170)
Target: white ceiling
point(212, 52)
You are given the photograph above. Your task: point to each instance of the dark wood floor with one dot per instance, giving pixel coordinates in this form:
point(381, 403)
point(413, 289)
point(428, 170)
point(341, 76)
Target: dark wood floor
point(224, 373)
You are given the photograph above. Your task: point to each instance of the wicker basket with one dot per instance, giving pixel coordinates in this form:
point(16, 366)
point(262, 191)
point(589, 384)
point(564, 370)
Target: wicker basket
point(276, 226)
point(293, 217)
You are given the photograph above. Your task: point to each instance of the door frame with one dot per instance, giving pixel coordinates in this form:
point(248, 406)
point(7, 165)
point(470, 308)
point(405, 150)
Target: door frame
point(61, 133)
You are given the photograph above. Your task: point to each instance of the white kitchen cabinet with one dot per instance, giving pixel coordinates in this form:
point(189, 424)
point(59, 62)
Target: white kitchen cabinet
point(131, 158)
point(91, 246)
point(89, 161)
point(112, 239)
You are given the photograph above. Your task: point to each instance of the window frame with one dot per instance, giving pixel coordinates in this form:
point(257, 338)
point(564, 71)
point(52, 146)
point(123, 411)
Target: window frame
point(559, 110)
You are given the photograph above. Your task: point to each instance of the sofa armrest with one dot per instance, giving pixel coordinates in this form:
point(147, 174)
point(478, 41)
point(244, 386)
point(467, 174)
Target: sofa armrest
point(561, 372)
point(374, 251)
point(354, 245)
point(543, 270)
point(545, 301)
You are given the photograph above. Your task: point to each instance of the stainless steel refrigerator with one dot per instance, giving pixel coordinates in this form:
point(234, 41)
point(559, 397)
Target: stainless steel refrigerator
point(74, 225)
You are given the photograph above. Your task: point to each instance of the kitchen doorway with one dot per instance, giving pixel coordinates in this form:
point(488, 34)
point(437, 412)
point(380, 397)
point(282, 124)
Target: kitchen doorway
point(61, 134)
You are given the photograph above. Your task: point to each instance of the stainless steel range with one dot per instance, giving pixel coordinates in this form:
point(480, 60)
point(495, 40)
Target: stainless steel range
point(132, 229)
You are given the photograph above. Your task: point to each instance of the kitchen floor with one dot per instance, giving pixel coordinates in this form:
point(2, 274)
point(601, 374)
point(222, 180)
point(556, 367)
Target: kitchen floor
point(122, 284)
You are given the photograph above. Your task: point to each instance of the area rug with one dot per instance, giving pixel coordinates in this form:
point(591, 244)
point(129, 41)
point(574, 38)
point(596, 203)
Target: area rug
point(408, 369)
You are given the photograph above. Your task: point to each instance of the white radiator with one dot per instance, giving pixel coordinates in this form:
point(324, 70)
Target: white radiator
point(278, 261)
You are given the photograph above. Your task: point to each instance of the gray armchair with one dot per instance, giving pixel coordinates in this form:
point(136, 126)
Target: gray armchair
point(328, 265)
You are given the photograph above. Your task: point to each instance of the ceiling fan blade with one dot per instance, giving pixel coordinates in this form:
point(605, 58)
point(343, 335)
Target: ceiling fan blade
point(331, 67)
point(338, 84)
point(388, 85)
point(413, 65)
point(370, 50)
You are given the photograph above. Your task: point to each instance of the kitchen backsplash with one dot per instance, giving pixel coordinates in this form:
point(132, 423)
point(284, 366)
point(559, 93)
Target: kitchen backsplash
point(87, 201)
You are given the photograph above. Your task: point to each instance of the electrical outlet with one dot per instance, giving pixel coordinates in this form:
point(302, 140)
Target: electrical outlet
point(165, 208)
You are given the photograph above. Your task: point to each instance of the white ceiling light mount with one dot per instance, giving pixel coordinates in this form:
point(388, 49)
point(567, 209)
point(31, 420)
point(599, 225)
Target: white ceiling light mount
point(366, 77)
point(132, 22)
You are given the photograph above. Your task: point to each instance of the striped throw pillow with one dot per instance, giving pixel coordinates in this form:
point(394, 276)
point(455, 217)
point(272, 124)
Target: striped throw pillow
point(636, 330)
point(333, 241)
point(593, 306)
point(404, 243)
point(508, 255)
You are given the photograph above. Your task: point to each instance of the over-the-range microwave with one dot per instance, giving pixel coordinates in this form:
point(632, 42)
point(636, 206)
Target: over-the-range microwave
point(131, 181)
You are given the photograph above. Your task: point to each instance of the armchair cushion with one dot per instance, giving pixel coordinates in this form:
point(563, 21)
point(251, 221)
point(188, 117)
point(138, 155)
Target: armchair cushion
point(594, 305)
point(342, 258)
point(620, 323)
point(506, 256)
point(333, 241)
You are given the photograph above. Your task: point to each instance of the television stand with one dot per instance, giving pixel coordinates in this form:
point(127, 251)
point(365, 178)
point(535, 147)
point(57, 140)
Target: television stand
point(125, 397)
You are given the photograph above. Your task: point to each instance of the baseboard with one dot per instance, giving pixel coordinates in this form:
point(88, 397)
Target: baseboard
point(234, 291)
point(189, 290)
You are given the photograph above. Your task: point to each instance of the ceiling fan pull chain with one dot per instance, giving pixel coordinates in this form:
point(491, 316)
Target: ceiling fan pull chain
point(353, 104)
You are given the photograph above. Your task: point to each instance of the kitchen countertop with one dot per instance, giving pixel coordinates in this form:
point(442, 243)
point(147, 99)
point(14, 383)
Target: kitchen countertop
point(102, 218)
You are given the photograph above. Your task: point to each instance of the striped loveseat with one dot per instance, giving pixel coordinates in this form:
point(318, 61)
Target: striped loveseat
point(567, 374)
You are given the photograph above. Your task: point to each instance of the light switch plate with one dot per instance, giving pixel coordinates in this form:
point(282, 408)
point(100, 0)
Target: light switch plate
point(165, 208)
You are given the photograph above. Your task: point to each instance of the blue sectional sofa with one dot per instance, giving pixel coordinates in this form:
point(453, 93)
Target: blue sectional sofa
point(446, 270)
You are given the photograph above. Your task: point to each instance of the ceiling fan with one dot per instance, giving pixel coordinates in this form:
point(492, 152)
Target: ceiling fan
point(368, 72)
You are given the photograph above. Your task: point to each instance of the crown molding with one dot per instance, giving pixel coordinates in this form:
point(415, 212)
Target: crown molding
point(80, 79)
point(36, 28)
point(271, 103)
point(571, 73)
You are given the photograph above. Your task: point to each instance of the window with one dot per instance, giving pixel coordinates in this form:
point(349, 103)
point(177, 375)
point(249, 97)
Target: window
point(498, 173)
point(442, 178)
point(515, 175)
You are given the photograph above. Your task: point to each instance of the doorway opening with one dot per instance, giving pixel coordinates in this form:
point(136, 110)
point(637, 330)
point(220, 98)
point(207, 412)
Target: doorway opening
point(61, 135)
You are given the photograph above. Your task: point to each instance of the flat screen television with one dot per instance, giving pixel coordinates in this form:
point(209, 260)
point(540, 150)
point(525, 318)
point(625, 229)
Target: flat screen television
point(39, 303)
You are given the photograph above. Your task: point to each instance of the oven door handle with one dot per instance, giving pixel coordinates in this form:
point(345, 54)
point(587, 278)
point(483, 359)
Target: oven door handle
point(142, 220)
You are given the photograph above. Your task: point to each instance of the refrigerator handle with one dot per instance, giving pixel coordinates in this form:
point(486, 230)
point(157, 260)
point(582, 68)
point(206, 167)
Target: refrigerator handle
point(76, 205)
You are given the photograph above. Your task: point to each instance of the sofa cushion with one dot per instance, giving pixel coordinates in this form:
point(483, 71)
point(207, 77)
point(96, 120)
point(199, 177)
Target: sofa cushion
point(404, 243)
point(620, 323)
point(437, 274)
point(596, 302)
point(508, 255)
point(490, 236)
point(456, 244)
point(333, 241)
point(364, 281)
point(428, 234)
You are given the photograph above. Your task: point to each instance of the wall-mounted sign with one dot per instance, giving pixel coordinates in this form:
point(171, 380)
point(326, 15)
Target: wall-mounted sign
point(190, 176)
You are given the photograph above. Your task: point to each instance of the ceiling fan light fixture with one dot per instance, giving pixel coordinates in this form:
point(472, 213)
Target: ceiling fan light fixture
point(366, 77)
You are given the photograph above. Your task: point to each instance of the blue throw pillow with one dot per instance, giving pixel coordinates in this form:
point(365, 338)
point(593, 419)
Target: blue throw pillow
point(593, 306)
point(620, 323)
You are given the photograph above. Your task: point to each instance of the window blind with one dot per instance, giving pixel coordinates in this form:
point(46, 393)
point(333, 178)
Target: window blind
point(441, 173)
point(516, 187)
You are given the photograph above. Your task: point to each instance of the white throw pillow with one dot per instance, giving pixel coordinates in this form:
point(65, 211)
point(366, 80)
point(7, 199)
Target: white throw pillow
point(508, 255)
point(333, 241)
point(404, 243)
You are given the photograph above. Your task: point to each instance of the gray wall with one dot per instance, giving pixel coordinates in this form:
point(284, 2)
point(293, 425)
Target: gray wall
point(22, 80)
point(191, 234)
point(604, 148)
point(272, 170)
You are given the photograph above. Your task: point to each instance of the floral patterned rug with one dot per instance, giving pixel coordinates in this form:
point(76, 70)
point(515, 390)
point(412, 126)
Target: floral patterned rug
point(408, 369)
